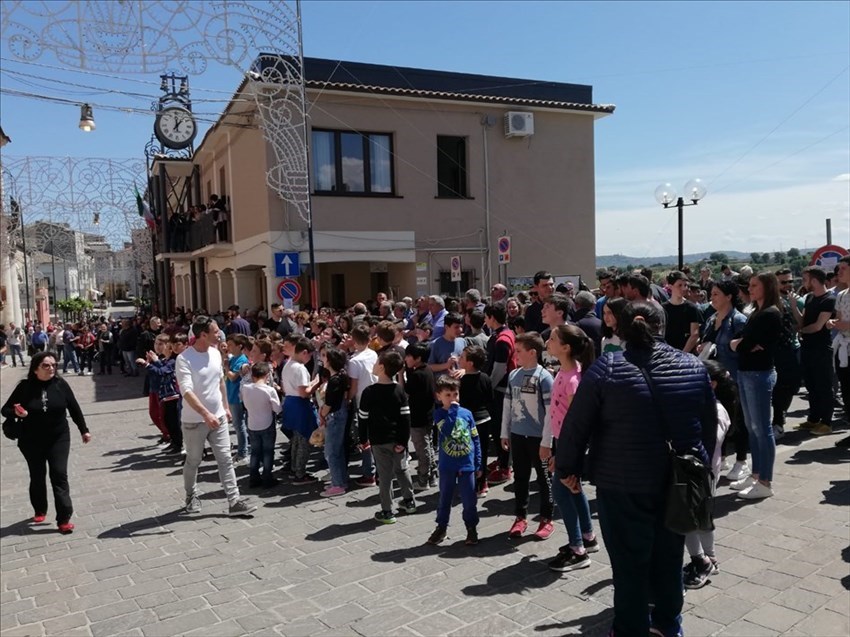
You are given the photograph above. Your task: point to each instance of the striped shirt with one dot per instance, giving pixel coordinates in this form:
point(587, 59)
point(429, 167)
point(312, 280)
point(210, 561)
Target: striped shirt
point(384, 415)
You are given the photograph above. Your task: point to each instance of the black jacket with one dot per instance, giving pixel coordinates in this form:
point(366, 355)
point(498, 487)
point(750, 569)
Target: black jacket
point(613, 414)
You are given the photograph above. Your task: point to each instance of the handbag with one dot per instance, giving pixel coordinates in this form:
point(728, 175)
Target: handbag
point(317, 438)
point(688, 502)
point(12, 428)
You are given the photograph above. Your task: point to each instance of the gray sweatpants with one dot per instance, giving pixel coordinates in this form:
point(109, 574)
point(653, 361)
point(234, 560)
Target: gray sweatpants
point(392, 465)
point(422, 445)
point(195, 434)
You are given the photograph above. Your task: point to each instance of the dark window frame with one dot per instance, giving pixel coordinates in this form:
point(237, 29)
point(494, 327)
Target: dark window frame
point(367, 164)
point(447, 191)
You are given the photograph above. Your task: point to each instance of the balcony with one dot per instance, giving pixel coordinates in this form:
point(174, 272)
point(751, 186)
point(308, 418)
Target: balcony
point(195, 238)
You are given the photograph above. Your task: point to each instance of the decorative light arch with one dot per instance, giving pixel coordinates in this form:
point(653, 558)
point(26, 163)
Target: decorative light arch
point(152, 36)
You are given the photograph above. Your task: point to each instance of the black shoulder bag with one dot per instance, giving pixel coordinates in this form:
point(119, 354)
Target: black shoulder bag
point(689, 500)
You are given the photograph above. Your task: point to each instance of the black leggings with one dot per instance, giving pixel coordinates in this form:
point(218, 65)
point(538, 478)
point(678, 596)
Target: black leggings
point(526, 454)
point(51, 451)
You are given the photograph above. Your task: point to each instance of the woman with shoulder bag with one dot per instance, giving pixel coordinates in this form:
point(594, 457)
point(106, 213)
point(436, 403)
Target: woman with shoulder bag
point(40, 403)
point(721, 328)
point(630, 427)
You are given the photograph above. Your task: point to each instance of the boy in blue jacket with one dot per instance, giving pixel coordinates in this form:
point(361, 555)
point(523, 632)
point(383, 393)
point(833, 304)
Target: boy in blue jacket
point(459, 460)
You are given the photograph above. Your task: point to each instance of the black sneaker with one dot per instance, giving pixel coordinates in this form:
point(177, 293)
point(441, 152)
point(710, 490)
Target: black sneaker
point(407, 506)
point(471, 536)
point(438, 535)
point(569, 562)
point(697, 573)
point(590, 546)
point(385, 517)
point(420, 483)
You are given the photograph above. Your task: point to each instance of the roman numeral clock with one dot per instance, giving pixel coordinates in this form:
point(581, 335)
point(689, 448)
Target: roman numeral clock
point(175, 126)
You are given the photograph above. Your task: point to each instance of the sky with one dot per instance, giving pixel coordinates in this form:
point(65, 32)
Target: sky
point(751, 97)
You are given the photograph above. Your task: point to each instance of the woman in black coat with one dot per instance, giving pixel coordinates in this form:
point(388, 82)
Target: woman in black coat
point(626, 425)
point(39, 404)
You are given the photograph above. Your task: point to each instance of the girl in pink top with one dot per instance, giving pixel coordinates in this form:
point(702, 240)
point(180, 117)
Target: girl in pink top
point(574, 350)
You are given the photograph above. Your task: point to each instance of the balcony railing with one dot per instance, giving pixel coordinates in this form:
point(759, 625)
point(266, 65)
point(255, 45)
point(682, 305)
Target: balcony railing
point(191, 235)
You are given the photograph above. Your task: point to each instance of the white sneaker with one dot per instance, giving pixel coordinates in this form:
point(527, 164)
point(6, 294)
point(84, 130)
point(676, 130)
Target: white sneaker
point(743, 483)
point(756, 492)
point(727, 464)
point(739, 470)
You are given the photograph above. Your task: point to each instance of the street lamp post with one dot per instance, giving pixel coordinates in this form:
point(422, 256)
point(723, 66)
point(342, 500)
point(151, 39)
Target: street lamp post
point(666, 195)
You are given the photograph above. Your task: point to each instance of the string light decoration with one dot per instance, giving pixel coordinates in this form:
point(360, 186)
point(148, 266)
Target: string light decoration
point(89, 195)
point(153, 36)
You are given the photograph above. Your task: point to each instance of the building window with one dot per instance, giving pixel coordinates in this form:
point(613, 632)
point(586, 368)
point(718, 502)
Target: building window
point(451, 167)
point(346, 163)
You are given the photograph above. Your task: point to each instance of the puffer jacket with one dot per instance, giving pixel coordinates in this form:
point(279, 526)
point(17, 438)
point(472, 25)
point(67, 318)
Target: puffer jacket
point(613, 414)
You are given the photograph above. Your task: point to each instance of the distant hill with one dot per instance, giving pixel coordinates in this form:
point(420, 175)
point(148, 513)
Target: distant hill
point(621, 260)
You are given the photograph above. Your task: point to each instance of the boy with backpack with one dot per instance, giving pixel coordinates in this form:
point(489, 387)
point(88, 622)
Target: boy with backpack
point(526, 403)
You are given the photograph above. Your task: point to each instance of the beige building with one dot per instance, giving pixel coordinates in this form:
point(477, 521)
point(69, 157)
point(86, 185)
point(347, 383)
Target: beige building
point(409, 168)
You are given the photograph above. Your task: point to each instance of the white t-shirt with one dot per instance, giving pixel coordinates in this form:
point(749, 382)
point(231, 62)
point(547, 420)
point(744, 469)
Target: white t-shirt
point(359, 368)
point(292, 376)
point(201, 374)
point(262, 404)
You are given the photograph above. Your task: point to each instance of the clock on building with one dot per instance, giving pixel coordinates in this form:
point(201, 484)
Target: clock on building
point(175, 127)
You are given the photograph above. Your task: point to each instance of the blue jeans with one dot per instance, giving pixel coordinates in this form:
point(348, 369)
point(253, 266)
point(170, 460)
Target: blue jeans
point(645, 556)
point(240, 424)
point(575, 511)
point(16, 351)
point(335, 446)
point(756, 389)
point(70, 357)
point(465, 481)
point(262, 450)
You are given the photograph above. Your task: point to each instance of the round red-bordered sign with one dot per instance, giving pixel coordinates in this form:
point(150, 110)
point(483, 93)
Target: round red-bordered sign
point(289, 290)
point(828, 252)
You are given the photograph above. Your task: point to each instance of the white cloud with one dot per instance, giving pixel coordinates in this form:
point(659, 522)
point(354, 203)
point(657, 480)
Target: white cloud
point(842, 177)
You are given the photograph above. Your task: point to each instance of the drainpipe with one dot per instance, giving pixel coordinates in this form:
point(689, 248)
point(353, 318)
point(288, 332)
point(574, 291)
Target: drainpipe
point(486, 122)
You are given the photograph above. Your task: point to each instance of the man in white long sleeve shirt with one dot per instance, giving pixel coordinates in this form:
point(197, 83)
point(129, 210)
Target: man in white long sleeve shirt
point(205, 416)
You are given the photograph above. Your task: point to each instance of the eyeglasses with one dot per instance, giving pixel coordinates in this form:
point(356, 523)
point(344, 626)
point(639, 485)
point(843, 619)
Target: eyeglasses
point(47, 365)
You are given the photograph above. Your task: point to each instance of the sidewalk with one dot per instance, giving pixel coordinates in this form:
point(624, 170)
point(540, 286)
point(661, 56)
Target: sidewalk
point(308, 566)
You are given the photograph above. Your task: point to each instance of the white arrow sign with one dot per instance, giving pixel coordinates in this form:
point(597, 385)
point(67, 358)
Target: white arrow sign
point(287, 263)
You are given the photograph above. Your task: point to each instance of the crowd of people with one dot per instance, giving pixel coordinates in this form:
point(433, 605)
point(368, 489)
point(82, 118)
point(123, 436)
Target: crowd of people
point(576, 385)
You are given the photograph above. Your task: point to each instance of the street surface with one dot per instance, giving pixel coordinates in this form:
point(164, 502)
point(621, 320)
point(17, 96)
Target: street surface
point(308, 566)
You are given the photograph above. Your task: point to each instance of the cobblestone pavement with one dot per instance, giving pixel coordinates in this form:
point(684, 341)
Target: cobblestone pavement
point(306, 566)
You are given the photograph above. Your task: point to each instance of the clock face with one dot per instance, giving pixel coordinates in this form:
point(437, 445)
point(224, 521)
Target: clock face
point(175, 127)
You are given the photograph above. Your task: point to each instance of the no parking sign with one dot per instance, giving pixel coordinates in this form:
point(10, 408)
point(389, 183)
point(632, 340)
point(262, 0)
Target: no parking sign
point(504, 249)
point(456, 273)
point(289, 290)
point(827, 256)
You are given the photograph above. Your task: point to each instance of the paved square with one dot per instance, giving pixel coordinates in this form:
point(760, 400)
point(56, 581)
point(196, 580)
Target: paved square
point(307, 566)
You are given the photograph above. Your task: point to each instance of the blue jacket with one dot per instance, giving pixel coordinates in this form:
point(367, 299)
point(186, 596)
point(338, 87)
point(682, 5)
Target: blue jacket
point(613, 414)
point(459, 445)
point(163, 379)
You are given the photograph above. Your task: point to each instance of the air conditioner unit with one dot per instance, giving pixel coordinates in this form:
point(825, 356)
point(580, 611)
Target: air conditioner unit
point(519, 124)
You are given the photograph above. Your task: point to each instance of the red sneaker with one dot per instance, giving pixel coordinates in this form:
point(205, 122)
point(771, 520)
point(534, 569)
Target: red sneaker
point(492, 466)
point(519, 527)
point(545, 529)
point(65, 528)
point(38, 518)
point(499, 476)
point(484, 490)
point(366, 481)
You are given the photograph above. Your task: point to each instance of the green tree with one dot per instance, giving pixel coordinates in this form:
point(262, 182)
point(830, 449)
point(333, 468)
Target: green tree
point(779, 257)
point(720, 257)
point(755, 257)
point(793, 252)
point(765, 258)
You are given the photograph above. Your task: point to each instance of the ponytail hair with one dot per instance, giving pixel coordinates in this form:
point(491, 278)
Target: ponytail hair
point(726, 391)
point(581, 347)
point(639, 323)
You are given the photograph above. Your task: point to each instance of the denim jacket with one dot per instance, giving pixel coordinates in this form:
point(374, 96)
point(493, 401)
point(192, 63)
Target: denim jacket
point(731, 327)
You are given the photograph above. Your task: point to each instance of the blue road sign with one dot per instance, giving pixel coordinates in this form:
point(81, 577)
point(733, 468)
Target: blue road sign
point(286, 264)
point(289, 290)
